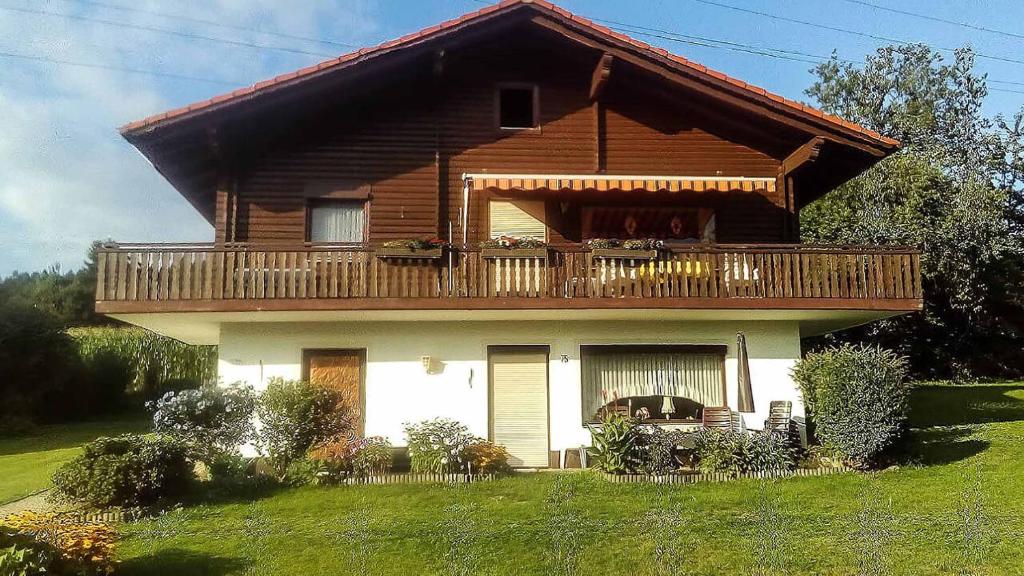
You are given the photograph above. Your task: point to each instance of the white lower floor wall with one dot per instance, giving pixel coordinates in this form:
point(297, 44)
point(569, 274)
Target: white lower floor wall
point(400, 389)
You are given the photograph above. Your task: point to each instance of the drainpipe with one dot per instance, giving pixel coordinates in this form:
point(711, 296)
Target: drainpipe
point(466, 181)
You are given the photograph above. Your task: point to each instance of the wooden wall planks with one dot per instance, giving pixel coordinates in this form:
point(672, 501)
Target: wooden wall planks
point(412, 151)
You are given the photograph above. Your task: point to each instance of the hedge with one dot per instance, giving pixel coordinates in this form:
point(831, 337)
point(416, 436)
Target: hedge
point(154, 360)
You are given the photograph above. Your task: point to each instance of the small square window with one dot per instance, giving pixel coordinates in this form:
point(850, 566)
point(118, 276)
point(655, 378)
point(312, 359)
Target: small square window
point(517, 108)
point(337, 222)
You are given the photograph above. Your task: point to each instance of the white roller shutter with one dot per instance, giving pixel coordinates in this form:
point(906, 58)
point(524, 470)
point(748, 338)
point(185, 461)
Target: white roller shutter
point(508, 219)
point(519, 405)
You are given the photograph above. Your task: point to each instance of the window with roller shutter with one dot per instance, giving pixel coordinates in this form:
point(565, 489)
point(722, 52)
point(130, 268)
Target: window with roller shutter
point(517, 219)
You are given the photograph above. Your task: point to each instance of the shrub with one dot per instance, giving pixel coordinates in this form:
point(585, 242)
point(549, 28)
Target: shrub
point(655, 449)
point(436, 446)
point(310, 471)
point(327, 462)
point(232, 470)
point(733, 452)
point(718, 451)
point(340, 457)
point(767, 452)
point(209, 421)
point(614, 444)
point(485, 457)
point(857, 397)
point(296, 415)
point(127, 470)
point(373, 457)
point(41, 373)
point(61, 545)
point(110, 376)
point(25, 559)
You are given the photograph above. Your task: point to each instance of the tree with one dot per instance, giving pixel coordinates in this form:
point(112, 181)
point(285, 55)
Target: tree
point(954, 190)
point(39, 368)
point(68, 297)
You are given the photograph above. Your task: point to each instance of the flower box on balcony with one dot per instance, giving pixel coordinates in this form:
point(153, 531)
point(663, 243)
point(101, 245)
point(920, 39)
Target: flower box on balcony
point(514, 252)
point(405, 252)
point(624, 253)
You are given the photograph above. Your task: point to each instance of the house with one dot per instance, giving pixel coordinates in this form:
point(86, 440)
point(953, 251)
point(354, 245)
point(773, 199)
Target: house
point(518, 120)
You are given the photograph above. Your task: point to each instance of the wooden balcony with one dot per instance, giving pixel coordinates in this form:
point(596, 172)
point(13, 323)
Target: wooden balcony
point(236, 278)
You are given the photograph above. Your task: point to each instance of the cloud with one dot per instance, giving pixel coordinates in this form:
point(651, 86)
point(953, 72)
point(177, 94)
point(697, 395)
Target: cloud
point(66, 176)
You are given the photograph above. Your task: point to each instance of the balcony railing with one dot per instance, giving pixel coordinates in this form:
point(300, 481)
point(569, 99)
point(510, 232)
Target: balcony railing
point(239, 277)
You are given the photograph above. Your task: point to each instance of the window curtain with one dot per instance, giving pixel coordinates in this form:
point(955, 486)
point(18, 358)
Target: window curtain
point(697, 377)
point(337, 222)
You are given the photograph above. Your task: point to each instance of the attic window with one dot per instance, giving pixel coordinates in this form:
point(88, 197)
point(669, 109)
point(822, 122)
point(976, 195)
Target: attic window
point(517, 107)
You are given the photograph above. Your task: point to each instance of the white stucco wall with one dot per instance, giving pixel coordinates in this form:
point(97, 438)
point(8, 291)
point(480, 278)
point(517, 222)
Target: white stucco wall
point(398, 389)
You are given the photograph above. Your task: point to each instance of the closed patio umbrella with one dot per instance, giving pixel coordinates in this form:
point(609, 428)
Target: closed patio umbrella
point(744, 394)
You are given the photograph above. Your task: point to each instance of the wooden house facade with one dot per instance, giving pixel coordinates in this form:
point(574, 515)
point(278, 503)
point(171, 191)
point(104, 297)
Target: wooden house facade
point(360, 205)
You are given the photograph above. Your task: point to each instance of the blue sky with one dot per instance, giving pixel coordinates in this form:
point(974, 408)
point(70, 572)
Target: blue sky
point(66, 176)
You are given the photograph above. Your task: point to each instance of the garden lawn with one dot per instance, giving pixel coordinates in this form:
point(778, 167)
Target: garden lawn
point(28, 461)
point(959, 507)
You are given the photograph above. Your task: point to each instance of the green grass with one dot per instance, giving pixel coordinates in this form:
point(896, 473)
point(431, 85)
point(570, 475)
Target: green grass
point(957, 507)
point(28, 461)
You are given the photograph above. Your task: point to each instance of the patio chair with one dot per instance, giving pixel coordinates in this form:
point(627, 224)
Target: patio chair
point(780, 413)
point(717, 418)
point(738, 423)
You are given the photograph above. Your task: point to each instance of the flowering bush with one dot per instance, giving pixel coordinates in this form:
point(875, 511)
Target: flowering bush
point(635, 244)
point(373, 457)
point(511, 243)
point(485, 457)
point(437, 445)
point(209, 421)
point(126, 470)
point(417, 243)
point(63, 545)
point(340, 457)
point(296, 415)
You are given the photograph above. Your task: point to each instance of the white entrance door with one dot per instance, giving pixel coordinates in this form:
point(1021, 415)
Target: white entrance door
point(519, 403)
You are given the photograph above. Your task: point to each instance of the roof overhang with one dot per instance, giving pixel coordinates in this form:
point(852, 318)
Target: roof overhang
point(549, 16)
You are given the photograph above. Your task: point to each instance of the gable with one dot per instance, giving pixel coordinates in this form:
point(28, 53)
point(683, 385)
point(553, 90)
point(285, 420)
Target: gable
point(188, 144)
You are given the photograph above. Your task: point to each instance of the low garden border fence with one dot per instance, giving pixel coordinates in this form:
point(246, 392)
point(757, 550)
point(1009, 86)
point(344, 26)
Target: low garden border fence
point(721, 476)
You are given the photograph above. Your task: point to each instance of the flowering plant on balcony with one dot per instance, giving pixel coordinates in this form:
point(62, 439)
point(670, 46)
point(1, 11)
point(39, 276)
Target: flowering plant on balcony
point(512, 243)
point(417, 243)
point(635, 244)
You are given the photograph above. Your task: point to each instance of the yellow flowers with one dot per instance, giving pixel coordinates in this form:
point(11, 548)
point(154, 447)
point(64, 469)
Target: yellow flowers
point(91, 544)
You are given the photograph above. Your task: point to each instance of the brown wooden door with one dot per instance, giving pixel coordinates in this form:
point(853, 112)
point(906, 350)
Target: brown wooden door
point(341, 370)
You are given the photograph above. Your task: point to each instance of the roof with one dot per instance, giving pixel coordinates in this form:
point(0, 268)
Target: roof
point(363, 54)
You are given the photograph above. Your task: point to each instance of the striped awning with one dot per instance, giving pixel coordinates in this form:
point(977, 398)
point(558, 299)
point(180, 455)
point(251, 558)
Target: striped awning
point(603, 183)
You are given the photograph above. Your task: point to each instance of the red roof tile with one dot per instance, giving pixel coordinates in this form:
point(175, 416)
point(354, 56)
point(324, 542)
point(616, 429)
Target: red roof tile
point(438, 28)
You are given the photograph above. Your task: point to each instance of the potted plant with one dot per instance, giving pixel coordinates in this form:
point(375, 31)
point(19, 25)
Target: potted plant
point(431, 248)
point(509, 247)
point(642, 249)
